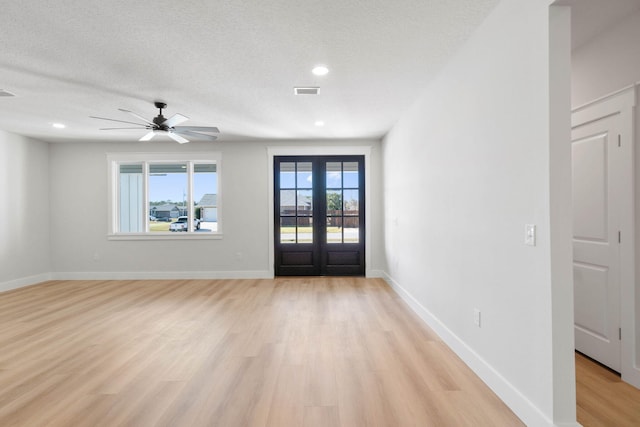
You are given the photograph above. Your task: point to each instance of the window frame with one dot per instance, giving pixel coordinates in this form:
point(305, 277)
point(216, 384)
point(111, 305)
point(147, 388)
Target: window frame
point(114, 160)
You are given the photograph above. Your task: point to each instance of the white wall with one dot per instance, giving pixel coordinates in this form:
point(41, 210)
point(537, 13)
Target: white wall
point(607, 63)
point(465, 169)
point(80, 248)
point(24, 203)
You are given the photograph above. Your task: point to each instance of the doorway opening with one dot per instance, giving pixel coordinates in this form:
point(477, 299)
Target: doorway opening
point(319, 217)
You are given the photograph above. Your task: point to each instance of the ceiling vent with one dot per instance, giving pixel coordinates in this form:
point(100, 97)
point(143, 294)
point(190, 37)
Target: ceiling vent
point(306, 90)
point(6, 93)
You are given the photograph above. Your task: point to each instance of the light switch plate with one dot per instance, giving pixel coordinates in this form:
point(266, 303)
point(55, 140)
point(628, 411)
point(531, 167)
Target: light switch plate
point(530, 234)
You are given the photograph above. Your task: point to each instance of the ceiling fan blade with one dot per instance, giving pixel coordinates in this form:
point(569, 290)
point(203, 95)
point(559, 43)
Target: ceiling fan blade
point(137, 116)
point(176, 119)
point(148, 136)
point(177, 138)
point(196, 134)
point(209, 129)
point(121, 128)
point(119, 121)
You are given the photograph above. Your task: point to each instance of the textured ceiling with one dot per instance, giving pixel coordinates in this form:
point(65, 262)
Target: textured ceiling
point(231, 64)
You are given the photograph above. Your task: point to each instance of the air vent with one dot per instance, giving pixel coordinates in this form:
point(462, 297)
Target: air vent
point(5, 93)
point(306, 90)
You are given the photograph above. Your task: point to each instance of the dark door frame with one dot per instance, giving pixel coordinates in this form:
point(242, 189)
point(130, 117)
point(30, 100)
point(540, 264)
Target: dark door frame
point(319, 257)
point(362, 150)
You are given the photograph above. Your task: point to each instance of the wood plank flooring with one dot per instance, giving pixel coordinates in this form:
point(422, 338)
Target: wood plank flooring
point(603, 400)
point(297, 352)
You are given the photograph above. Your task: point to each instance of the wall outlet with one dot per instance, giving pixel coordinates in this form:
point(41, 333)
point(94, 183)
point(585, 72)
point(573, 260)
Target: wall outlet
point(476, 317)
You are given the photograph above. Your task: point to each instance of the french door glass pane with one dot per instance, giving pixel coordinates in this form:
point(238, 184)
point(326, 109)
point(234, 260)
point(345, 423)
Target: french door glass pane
point(351, 202)
point(288, 175)
point(351, 175)
point(334, 175)
point(303, 175)
point(334, 229)
point(305, 229)
point(334, 202)
point(287, 202)
point(351, 229)
point(305, 203)
point(287, 229)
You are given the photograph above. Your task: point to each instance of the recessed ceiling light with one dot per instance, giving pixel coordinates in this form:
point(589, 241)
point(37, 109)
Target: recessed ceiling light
point(319, 123)
point(58, 125)
point(320, 70)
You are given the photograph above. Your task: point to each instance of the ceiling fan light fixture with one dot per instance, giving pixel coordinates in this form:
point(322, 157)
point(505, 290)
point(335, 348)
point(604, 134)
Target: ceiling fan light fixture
point(148, 136)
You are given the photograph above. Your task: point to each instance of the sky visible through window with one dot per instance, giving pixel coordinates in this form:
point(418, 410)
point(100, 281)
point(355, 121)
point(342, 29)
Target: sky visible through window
point(173, 187)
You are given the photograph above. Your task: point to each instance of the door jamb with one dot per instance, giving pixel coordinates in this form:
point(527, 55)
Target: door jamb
point(322, 151)
point(622, 103)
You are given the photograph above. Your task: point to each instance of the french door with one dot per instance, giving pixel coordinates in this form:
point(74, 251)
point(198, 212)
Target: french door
point(319, 215)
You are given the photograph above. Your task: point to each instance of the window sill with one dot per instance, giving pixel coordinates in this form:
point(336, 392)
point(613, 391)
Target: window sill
point(165, 236)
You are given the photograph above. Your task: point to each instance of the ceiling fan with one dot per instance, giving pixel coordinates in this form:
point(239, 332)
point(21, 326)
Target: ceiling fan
point(162, 125)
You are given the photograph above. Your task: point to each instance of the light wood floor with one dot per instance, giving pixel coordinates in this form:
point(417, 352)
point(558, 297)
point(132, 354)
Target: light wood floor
point(287, 352)
point(603, 400)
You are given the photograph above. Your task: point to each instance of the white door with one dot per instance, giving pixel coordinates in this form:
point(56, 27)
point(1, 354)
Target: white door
point(596, 250)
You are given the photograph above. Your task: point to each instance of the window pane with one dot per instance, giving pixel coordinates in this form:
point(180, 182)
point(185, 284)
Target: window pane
point(334, 230)
point(167, 194)
point(287, 202)
point(288, 230)
point(205, 197)
point(304, 175)
point(305, 203)
point(334, 202)
point(131, 203)
point(305, 230)
point(351, 202)
point(287, 175)
point(351, 175)
point(351, 229)
point(334, 175)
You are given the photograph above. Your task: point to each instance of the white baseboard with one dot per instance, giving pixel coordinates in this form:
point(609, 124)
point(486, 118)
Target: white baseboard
point(376, 274)
point(24, 281)
point(159, 275)
point(510, 395)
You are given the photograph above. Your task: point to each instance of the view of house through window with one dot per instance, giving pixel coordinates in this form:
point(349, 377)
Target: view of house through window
point(167, 197)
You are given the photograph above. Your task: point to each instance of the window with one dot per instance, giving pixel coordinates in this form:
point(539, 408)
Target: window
point(164, 195)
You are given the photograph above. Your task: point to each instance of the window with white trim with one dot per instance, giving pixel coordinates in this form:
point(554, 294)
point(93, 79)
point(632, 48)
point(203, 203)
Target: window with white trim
point(164, 195)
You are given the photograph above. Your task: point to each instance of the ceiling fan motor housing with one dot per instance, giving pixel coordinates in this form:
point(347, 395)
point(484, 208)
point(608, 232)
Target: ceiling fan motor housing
point(160, 119)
